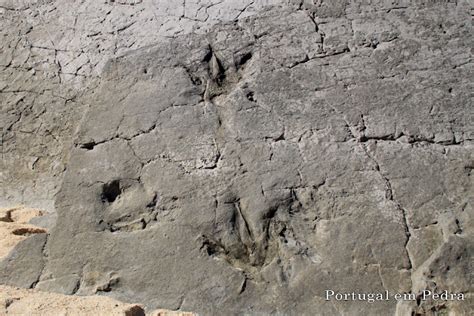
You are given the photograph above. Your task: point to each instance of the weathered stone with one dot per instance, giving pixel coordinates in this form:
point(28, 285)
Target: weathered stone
point(313, 146)
point(24, 265)
point(52, 54)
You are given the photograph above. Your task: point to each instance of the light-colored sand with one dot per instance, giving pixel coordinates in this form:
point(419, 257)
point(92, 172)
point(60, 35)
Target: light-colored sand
point(15, 301)
point(14, 228)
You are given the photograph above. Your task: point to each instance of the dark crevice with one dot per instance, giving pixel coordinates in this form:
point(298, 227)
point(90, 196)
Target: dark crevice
point(280, 138)
point(76, 287)
point(250, 96)
point(243, 286)
point(111, 191)
point(411, 139)
point(153, 202)
point(243, 60)
point(88, 146)
point(208, 56)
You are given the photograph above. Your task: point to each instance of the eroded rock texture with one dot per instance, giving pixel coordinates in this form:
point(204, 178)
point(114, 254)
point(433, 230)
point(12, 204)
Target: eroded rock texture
point(52, 54)
point(248, 169)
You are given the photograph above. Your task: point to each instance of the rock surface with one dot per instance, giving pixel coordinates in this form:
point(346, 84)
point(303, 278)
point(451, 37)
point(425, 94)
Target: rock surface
point(52, 54)
point(17, 301)
point(310, 146)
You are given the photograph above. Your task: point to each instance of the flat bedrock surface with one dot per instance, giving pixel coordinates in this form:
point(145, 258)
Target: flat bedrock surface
point(248, 169)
